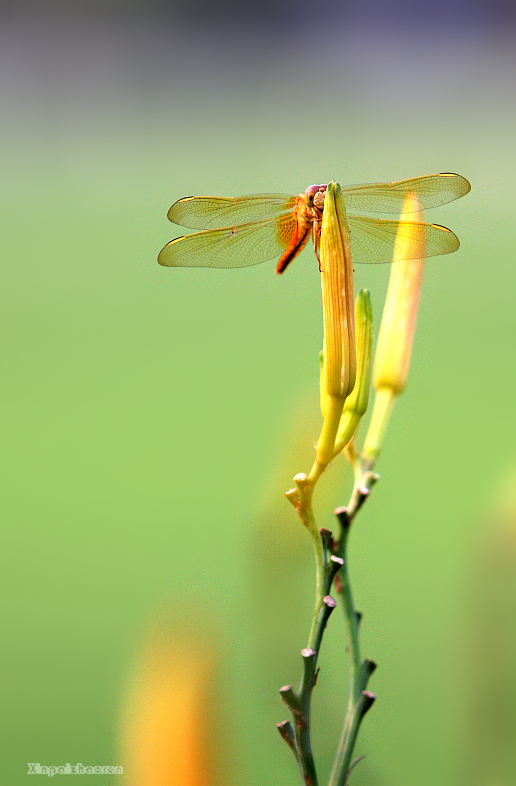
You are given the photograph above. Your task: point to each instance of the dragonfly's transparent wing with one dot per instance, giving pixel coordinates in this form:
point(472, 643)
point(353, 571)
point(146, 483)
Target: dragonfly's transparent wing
point(431, 190)
point(378, 240)
point(210, 212)
point(238, 246)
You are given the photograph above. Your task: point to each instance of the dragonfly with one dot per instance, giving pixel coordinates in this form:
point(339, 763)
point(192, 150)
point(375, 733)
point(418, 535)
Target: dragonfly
point(247, 230)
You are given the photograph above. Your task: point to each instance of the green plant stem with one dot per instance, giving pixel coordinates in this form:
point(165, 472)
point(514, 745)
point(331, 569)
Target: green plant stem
point(359, 699)
point(352, 722)
point(343, 765)
point(320, 583)
point(328, 565)
point(298, 738)
point(351, 616)
point(301, 498)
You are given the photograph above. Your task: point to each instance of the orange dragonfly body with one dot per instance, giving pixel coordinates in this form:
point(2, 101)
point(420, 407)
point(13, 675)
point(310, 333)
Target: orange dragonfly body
point(246, 230)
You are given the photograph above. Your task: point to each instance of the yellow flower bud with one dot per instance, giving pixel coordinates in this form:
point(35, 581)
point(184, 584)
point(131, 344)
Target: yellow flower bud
point(396, 335)
point(357, 402)
point(322, 384)
point(394, 348)
point(339, 357)
point(337, 296)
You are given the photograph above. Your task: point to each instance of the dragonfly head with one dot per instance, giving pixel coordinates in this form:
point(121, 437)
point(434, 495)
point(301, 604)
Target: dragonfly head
point(314, 196)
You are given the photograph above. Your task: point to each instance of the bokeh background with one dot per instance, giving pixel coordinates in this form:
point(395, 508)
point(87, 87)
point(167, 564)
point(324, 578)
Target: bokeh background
point(152, 417)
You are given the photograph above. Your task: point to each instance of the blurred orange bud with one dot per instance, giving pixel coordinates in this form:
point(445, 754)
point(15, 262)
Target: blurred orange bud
point(165, 738)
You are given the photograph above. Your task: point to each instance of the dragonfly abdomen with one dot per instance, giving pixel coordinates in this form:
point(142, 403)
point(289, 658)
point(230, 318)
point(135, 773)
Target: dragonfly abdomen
point(304, 222)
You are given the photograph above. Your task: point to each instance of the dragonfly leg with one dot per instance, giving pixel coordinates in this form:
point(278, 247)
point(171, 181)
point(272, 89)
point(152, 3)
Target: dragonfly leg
point(316, 233)
point(317, 255)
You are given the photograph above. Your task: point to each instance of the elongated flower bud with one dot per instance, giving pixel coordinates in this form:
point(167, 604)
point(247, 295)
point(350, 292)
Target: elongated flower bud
point(322, 384)
point(396, 335)
point(339, 356)
point(394, 348)
point(337, 296)
point(357, 402)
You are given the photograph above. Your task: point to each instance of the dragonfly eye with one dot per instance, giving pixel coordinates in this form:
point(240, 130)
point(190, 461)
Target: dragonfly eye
point(313, 195)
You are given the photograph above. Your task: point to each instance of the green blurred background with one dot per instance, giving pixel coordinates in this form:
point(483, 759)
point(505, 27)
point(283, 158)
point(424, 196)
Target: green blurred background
point(153, 417)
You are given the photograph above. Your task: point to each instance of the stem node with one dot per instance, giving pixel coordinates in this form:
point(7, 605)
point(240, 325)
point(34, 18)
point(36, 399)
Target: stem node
point(287, 732)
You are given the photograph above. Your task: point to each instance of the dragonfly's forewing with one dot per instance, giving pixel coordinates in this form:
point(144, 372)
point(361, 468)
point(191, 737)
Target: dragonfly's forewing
point(210, 212)
point(238, 246)
point(379, 240)
point(431, 191)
